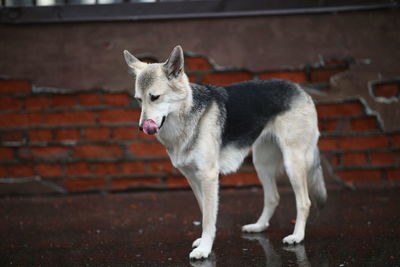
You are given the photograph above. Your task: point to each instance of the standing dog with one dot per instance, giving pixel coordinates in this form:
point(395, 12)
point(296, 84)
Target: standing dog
point(208, 130)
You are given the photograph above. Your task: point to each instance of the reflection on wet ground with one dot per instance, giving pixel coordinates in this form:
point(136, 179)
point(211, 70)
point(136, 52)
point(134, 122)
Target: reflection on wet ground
point(356, 228)
point(271, 256)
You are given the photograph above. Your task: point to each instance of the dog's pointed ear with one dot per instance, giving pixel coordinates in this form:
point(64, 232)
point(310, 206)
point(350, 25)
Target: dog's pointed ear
point(173, 67)
point(134, 64)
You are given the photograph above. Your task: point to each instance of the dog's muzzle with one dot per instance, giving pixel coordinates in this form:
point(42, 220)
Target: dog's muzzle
point(150, 127)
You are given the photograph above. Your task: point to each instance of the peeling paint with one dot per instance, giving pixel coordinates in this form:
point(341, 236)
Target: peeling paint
point(382, 99)
point(372, 112)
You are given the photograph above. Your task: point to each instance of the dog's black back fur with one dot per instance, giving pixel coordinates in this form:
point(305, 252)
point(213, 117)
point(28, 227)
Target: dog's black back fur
point(245, 107)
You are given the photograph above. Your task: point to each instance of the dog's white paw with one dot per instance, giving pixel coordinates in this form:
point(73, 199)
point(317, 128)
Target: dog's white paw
point(293, 239)
point(196, 243)
point(254, 228)
point(201, 252)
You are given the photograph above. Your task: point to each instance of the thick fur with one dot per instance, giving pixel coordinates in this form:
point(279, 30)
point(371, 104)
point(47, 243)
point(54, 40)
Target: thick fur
point(208, 130)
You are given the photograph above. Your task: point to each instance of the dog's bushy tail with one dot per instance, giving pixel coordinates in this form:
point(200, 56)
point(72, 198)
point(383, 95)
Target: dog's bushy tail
point(315, 181)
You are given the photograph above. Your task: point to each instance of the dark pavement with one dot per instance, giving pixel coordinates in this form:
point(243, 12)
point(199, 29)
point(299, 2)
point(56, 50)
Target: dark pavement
point(356, 228)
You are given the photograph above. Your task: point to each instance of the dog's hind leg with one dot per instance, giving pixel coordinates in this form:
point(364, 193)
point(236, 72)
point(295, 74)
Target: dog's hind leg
point(295, 166)
point(267, 160)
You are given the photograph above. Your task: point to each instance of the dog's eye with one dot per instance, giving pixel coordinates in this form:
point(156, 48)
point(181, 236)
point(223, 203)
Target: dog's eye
point(154, 97)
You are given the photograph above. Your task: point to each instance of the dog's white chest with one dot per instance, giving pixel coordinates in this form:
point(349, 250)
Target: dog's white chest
point(179, 159)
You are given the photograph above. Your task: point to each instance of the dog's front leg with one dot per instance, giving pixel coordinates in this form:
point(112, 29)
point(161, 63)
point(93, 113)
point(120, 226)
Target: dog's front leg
point(195, 184)
point(209, 185)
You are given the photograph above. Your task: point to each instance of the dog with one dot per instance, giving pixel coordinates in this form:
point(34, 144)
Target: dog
point(208, 130)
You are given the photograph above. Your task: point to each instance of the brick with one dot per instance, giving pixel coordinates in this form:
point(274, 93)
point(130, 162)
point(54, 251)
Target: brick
point(51, 152)
point(239, 179)
point(393, 174)
point(78, 169)
point(125, 183)
point(340, 109)
point(3, 171)
point(49, 170)
point(143, 136)
point(147, 149)
point(12, 136)
point(353, 142)
point(385, 158)
point(396, 140)
point(192, 78)
point(197, 64)
point(327, 143)
point(294, 76)
point(47, 152)
point(323, 75)
point(40, 135)
point(360, 175)
point(20, 170)
point(98, 151)
point(15, 86)
point(335, 62)
point(225, 78)
point(328, 125)
point(67, 134)
point(7, 153)
point(89, 99)
point(69, 117)
point(27, 119)
point(124, 133)
point(334, 159)
point(387, 90)
point(97, 133)
point(119, 115)
point(363, 142)
point(177, 182)
point(364, 124)
point(74, 185)
point(133, 167)
point(160, 166)
point(353, 159)
point(116, 99)
point(61, 101)
point(105, 168)
point(10, 103)
point(343, 125)
point(37, 102)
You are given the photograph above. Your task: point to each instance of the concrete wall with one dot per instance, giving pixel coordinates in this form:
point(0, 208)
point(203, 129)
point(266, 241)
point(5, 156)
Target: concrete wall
point(89, 55)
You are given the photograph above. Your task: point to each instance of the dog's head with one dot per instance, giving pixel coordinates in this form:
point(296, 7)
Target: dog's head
point(159, 88)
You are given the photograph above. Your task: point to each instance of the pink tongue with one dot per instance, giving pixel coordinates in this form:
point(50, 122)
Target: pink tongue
point(150, 127)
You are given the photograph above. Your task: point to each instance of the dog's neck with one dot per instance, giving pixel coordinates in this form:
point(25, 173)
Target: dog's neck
point(177, 127)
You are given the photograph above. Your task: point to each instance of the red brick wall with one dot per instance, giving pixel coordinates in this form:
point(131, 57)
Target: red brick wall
point(88, 140)
point(355, 144)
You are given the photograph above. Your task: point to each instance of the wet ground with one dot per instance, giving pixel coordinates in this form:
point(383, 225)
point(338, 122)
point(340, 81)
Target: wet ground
point(356, 228)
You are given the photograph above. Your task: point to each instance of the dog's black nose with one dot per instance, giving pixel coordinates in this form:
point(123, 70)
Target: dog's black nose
point(141, 128)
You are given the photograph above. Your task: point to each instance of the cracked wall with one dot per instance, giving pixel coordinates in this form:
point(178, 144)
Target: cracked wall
point(60, 141)
point(73, 127)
